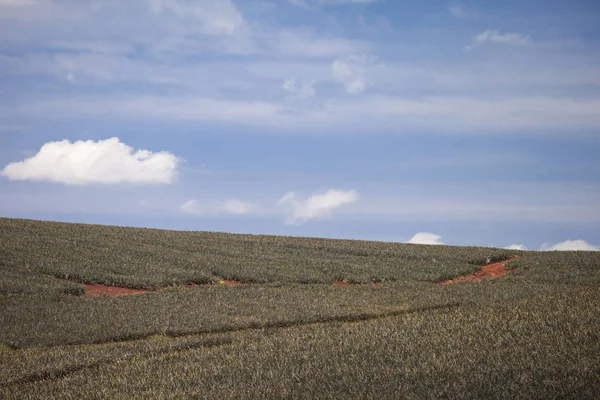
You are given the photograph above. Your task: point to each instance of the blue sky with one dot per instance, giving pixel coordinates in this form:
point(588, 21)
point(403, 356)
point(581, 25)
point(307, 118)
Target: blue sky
point(462, 122)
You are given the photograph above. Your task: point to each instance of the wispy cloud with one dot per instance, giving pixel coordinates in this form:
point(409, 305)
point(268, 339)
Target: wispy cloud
point(216, 17)
point(315, 206)
point(426, 238)
point(172, 108)
point(464, 114)
point(468, 113)
point(85, 162)
point(300, 88)
point(305, 43)
point(493, 36)
point(570, 245)
point(230, 206)
point(351, 73)
point(458, 9)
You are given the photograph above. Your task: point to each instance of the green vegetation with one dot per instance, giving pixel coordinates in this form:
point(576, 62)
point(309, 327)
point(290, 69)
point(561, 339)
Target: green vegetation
point(290, 333)
point(149, 258)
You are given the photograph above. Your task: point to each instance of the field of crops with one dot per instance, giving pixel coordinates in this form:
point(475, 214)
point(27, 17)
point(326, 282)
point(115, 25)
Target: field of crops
point(288, 332)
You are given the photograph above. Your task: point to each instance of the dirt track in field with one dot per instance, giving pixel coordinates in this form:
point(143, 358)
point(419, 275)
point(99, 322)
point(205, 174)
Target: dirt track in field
point(487, 271)
point(96, 289)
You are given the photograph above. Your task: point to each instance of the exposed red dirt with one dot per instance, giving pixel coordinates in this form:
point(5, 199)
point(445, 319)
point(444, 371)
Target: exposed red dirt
point(487, 271)
point(228, 282)
point(96, 289)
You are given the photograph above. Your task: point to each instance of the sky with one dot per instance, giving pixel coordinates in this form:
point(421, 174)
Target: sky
point(456, 122)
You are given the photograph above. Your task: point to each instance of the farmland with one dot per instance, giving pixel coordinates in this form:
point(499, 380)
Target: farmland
point(287, 330)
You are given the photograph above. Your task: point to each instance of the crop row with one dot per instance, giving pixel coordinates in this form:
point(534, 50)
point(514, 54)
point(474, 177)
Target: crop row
point(146, 258)
point(541, 347)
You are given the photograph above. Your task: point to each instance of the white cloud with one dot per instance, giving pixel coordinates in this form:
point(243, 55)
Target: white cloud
point(302, 89)
point(235, 206)
point(492, 36)
point(216, 17)
point(229, 206)
point(84, 162)
point(425, 238)
point(581, 245)
point(458, 9)
point(516, 247)
point(193, 207)
point(497, 37)
point(315, 206)
point(350, 73)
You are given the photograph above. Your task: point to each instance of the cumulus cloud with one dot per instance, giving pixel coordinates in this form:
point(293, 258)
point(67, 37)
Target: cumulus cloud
point(301, 89)
point(229, 206)
point(216, 17)
point(84, 162)
point(580, 245)
point(425, 238)
point(516, 247)
point(350, 73)
point(315, 206)
point(492, 36)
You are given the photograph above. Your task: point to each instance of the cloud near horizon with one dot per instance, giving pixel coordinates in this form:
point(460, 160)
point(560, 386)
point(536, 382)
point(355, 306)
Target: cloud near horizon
point(316, 206)
point(516, 247)
point(571, 245)
point(426, 238)
point(85, 162)
point(567, 245)
point(230, 206)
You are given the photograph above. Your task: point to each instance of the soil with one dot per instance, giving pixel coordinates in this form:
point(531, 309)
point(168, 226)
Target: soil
point(487, 271)
point(96, 289)
point(228, 282)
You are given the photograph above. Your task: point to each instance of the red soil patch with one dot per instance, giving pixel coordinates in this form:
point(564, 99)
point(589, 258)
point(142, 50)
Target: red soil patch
point(487, 271)
point(342, 283)
point(228, 282)
point(96, 289)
